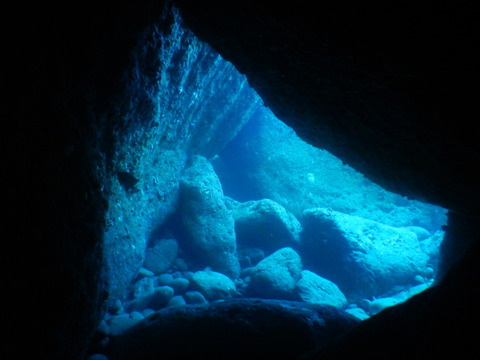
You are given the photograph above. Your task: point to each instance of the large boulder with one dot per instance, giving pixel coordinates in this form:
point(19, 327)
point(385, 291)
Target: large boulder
point(232, 329)
point(314, 289)
point(266, 225)
point(275, 276)
point(363, 257)
point(209, 225)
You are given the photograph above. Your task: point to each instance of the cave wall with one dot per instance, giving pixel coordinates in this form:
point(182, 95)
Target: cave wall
point(67, 70)
point(181, 100)
point(346, 72)
point(66, 67)
point(98, 92)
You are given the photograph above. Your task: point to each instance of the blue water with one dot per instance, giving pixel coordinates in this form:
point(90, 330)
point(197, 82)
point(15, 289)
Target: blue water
point(263, 214)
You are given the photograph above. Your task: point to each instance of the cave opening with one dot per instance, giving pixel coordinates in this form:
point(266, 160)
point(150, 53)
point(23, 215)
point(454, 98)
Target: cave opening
point(215, 198)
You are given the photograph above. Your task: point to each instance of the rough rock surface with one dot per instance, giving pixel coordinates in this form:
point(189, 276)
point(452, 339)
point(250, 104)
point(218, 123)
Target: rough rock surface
point(266, 225)
point(232, 329)
point(208, 223)
point(314, 289)
point(275, 276)
point(363, 257)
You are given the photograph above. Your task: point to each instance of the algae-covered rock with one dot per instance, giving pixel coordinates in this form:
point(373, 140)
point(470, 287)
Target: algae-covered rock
point(209, 225)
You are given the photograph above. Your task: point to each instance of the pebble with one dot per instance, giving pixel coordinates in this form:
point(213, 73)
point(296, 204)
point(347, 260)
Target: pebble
point(144, 273)
point(188, 275)
point(180, 285)
point(164, 279)
point(194, 297)
point(177, 300)
point(161, 296)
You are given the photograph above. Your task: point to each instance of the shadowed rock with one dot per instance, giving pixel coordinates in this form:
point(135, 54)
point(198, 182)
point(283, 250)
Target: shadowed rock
point(232, 329)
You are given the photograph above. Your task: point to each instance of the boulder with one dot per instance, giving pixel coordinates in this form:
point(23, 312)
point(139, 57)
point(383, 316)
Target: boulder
point(209, 225)
point(266, 225)
point(275, 276)
point(363, 257)
point(161, 256)
point(314, 289)
point(232, 329)
point(214, 285)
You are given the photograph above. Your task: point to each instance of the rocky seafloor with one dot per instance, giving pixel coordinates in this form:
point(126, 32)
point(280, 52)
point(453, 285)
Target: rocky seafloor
point(215, 250)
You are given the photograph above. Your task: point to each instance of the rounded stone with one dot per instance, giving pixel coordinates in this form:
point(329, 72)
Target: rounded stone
point(194, 297)
point(214, 285)
point(177, 300)
point(180, 285)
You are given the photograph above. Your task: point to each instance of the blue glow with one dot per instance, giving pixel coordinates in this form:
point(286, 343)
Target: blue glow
point(215, 198)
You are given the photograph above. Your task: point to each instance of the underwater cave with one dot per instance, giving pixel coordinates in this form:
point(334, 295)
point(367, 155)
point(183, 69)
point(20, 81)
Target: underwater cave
point(216, 182)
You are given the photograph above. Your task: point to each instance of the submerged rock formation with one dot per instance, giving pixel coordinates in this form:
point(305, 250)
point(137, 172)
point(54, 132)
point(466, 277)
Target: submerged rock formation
point(363, 257)
point(209, 225)
point(388, 88)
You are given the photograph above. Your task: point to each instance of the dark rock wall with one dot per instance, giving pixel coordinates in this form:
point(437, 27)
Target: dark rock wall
point(105, 110)
point(346, 72)
point(398, 107)
point(64, 72)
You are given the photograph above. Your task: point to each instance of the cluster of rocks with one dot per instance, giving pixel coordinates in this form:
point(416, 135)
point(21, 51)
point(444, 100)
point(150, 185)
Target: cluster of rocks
point(258, 249)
